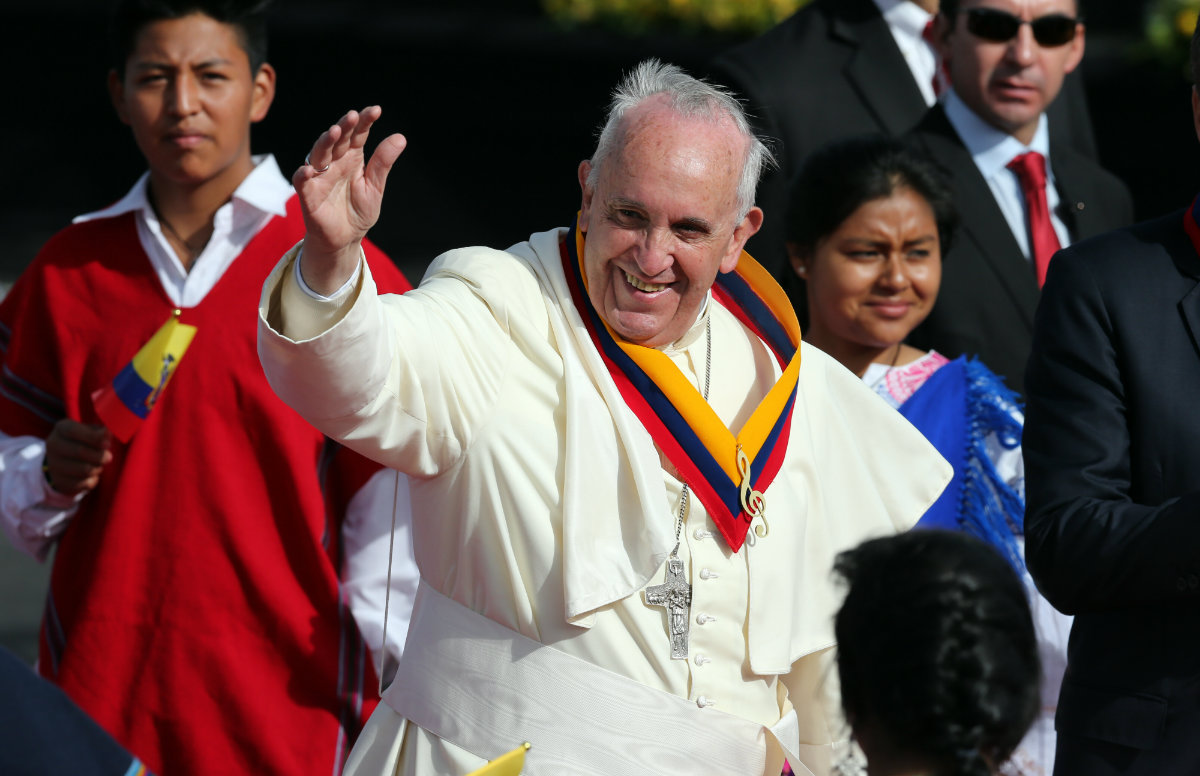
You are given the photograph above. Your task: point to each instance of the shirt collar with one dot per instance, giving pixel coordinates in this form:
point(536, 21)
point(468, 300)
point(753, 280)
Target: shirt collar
point(991, 148)
point(904, 16)
point(264, 189)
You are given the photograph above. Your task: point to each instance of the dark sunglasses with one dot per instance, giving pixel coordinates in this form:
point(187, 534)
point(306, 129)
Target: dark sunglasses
point(1001, 26)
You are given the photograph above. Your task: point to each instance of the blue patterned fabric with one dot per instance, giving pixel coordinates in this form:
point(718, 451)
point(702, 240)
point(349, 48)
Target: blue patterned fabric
point(956, 409)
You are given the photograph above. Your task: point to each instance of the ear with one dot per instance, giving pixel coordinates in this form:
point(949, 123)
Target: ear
point(1075, 55)
point(116, 93)
point(585, 206)
point(798, 261)
point(1196, 111)
point(943, 27)
point(264, 92)
point(741, 233)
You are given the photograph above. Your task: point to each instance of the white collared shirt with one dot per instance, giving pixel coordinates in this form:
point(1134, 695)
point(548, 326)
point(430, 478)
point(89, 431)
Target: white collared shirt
point(262, 195)
point(992, 150)
point(907, 21)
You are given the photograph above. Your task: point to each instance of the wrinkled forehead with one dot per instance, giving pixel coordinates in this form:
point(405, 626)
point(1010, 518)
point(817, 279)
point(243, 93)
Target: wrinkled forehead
point(1027, 9)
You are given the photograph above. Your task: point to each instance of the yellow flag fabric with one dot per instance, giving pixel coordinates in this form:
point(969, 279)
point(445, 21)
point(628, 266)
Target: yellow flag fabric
point(505, 765)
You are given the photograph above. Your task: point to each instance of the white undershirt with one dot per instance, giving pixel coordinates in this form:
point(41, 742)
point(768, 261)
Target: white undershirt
point(907, 21)
point(992, 149)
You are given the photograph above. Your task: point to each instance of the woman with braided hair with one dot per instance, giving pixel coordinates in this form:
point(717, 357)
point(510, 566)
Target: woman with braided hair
point(936, 654)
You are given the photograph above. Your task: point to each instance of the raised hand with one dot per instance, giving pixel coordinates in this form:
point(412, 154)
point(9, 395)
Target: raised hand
point(341, 196)
point(76, 454)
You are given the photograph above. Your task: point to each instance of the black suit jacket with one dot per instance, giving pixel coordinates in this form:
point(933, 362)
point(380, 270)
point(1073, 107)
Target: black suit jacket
point(989, 290)
point(833, 70)
point(1112, 456)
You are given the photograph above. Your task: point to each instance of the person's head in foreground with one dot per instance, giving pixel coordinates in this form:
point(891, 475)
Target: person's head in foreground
point(936, 654)
point(868, 221)
point(668, 201)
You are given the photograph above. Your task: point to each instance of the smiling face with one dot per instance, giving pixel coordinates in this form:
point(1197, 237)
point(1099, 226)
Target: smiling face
point(875, 277)
point(190, 97)
point(661, 221)
point(1009, 84)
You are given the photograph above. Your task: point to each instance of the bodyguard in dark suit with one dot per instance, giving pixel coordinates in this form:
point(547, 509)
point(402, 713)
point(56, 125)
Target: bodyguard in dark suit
point(1112, 456)
point(833, 70)
point(1006, 61)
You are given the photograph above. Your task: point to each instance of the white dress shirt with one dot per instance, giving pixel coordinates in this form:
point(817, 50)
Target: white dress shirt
point(992, 150)
point(907, 21)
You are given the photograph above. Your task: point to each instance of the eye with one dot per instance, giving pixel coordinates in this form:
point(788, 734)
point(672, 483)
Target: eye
point(213, 76)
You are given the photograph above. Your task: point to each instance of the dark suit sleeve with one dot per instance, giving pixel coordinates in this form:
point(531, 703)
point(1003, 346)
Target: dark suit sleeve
point(1090, 546)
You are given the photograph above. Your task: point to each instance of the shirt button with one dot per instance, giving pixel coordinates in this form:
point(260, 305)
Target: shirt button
point(704, 619)
point(700, 533)
point(708, 574)
point(704, 701)
point(701, 660)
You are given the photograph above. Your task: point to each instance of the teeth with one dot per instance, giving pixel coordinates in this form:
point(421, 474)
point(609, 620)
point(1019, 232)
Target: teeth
point(640, 286)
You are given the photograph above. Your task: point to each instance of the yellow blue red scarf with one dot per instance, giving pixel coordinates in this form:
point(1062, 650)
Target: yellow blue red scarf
point(708, 456)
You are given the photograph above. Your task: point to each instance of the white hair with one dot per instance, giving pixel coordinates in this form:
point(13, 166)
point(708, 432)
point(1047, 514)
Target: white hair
point(691, 98)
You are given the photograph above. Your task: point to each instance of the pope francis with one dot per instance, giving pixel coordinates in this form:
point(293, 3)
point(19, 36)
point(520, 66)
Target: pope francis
point(629, 476)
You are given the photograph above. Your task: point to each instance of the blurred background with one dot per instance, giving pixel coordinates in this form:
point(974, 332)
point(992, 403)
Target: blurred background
point(499, 100)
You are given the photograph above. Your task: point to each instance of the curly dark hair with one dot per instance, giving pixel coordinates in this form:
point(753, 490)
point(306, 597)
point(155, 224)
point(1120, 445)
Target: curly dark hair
point(936, 650)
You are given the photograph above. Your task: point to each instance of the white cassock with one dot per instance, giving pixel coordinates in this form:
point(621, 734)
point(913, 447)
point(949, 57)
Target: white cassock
point(540, 503)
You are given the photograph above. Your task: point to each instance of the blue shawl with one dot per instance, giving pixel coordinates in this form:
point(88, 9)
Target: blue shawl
point(956, 409)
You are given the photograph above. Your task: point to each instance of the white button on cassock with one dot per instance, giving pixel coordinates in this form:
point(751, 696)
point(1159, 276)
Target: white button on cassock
point(700, 533)
point(703, 619)
point(701, 660)
point(708, 574)
point(704, 700)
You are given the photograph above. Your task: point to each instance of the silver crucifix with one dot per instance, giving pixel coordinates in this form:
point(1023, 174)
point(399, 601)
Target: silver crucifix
point(675, 595)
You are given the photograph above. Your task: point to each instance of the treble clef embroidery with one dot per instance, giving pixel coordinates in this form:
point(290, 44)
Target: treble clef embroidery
point(753, 503)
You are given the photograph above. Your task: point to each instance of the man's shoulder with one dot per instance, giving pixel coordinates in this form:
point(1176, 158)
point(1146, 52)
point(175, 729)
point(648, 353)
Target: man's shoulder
point(802, 37)
point(1133, 254)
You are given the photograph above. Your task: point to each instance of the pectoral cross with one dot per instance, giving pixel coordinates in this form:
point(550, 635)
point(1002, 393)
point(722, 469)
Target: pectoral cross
point(674, 595)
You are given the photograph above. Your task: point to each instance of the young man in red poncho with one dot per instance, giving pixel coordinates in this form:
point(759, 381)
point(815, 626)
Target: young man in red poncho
point(198, 605)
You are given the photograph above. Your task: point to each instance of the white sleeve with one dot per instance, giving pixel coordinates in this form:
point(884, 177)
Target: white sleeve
point(31, 513)
point(365, 538)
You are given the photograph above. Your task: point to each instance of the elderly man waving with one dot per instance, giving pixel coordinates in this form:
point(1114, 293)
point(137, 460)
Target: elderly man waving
point(629, 475)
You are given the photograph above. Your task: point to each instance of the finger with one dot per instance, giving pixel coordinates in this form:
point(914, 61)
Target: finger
point(70, 432)
point(366, 119)
point(381, 161)
point(321, 155)
point(346, 126)
point(70, 451)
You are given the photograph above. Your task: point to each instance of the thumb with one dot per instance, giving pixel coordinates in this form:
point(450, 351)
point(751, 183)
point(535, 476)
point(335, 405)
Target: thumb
point(380, 163)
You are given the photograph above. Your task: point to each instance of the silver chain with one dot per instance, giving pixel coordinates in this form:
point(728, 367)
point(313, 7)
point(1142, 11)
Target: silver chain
point(683, 496)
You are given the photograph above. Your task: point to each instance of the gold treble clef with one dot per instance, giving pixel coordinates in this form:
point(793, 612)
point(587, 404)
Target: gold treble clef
point(753, 503)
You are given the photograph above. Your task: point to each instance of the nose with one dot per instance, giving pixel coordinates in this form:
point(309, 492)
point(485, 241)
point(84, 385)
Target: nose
point(893, 277)
point(184, 96)
point(655, 254)
point(1021, 48)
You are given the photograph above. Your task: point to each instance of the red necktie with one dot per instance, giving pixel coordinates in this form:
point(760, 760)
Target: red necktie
point(1030, 169)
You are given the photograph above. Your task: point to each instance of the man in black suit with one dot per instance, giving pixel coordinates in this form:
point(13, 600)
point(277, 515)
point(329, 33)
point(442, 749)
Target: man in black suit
point(1112, 455)
point(1006, 61)
point(835, 69)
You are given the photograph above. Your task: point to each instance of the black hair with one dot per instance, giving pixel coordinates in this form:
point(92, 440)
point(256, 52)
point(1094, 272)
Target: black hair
point(936, 650)
point(949, 8)
point(841, 177)
point(129, 17)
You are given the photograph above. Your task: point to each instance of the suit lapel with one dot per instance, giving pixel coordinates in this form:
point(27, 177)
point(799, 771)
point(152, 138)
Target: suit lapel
point(1071, 178)
point(877, 69)
point(982, 221)
point(1186, 257)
